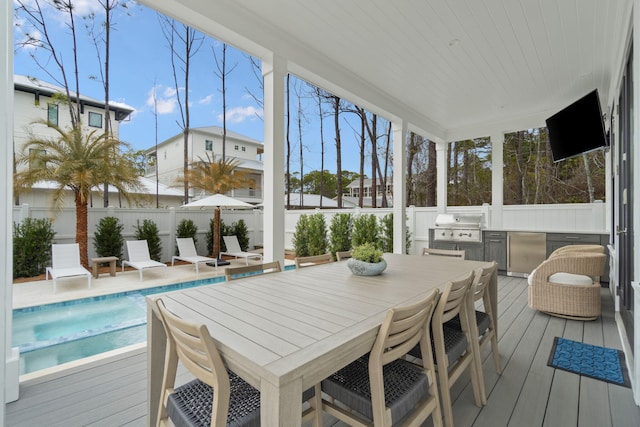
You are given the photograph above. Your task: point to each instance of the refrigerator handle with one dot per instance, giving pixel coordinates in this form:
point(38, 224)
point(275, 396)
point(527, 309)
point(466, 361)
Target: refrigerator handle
point(508, 252)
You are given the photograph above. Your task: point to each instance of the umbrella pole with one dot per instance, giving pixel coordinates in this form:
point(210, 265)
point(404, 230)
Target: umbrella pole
point(216, 230)
point(216, 237)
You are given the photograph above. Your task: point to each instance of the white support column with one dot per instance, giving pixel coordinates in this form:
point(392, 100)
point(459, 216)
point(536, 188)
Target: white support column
point(399, 130)
point(10, 369)
point(274, 74)
point(441, 177)
point(497, 180)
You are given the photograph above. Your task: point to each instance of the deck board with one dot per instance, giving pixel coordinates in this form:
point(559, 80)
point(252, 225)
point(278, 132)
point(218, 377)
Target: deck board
point(112, 391)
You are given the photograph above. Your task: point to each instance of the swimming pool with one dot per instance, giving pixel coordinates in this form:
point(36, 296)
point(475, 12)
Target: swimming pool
point(53, 334)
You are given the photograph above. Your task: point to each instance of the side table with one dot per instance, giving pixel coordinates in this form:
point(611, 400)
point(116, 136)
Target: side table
point(112, 264)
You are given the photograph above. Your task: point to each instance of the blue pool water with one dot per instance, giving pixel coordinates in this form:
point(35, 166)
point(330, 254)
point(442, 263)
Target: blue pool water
point(53, 334)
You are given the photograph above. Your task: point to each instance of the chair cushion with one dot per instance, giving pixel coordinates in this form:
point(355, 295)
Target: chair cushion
point(570, 279)
point(190, 404)
point(482, 320)
point(404, 386)
point(455, 344)
point(565, 279)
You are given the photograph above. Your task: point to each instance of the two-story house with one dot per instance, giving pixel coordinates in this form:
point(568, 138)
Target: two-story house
point(36, 100)
point(167, 159)
point(353, 192)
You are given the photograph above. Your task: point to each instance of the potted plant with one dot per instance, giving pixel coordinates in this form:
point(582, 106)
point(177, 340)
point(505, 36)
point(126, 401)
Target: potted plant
point(366, 260)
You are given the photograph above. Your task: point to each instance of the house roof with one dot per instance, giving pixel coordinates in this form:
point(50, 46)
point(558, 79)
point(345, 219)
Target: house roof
point(452, 69)
point(37, 86)
point(148, 186)
point(312, 201)
point(213, 131)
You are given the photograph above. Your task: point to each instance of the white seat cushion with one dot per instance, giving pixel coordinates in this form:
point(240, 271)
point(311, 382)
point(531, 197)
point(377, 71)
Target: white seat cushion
point(571, 279)
point(565, 279)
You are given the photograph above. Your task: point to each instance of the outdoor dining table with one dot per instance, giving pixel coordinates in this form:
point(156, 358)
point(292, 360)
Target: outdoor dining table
point(284, 332)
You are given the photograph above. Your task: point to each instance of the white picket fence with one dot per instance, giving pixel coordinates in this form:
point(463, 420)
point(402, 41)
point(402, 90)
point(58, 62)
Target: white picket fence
point(585, 217)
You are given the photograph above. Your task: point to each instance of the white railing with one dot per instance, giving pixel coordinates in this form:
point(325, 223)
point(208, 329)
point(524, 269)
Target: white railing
point(585, 217)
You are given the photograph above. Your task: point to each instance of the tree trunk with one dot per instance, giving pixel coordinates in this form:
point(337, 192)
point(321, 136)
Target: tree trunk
point(363, 120)
point(288, 153)
point(82, 228)
point(374, 161)
point(587, 171)
point(336, 124)
point(431, 175)
point(411, 147)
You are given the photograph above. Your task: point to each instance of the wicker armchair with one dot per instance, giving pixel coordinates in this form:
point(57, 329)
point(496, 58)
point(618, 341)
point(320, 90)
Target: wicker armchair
point(563, 285)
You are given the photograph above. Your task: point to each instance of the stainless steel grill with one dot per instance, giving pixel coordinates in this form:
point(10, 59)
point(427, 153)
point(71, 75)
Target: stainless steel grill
point(458, 228)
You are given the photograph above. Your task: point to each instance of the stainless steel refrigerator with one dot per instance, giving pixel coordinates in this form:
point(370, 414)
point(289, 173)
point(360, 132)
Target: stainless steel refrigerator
point(525, 251)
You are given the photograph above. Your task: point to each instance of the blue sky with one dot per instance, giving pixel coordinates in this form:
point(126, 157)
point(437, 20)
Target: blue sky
point(141, 64)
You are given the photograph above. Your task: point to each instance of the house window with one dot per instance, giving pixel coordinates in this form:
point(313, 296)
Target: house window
point(95, 120)
point(35, 158)
point(208, 145)
point(236, 147)
point(244, 148)
point(52, 114)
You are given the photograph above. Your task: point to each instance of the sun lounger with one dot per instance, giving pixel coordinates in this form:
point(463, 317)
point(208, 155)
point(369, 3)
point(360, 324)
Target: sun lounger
point(187, 250)
point(139, 257)
point(65, 262)
point(234, 250)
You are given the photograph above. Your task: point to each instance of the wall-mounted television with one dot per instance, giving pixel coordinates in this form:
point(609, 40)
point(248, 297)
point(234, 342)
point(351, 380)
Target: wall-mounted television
point(577, 129)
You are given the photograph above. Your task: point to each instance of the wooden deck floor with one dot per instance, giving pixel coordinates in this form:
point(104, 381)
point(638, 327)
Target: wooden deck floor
point(111, 392)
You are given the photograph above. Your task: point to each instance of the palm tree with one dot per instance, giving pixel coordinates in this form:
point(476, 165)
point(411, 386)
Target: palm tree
point(75, 161)
point(215, 176)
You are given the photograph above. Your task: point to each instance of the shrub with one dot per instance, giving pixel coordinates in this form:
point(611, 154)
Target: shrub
point(149, 232)
point(108, 238)
point(32, 247)
point(186, 228)
point(317, 234)
point(365, 230)
point(301, 236)
point(340, 232)
point(367, 252)
point(386, 227)
point(240, 230)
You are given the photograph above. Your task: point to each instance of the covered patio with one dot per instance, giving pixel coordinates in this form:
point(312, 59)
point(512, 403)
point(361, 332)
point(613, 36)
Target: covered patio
point(447, 71)
point(111, 390)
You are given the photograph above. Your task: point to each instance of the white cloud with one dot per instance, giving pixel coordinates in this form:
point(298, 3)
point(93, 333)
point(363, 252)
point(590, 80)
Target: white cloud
point(85, 7)
point(206, 100)
point(240, 114)
point(162, 99)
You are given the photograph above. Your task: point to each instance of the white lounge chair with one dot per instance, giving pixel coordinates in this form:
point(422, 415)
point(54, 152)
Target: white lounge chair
point(234, 250)
point(139, 257)
point(187, 250)
point(65, 262)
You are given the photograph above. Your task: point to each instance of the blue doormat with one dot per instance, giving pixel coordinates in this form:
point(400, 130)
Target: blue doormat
point(601, 363)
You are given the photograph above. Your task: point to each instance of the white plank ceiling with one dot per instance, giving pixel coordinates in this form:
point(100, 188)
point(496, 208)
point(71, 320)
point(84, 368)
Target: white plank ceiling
point(452, 67)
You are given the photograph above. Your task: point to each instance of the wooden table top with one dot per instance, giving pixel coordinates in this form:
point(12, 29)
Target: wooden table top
point(268, 326)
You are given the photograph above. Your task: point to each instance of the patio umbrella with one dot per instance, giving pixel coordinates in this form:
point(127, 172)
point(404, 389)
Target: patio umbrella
point(217, 201)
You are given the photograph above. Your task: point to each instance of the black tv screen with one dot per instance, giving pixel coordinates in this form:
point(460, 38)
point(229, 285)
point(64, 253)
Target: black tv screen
point(577, 129)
